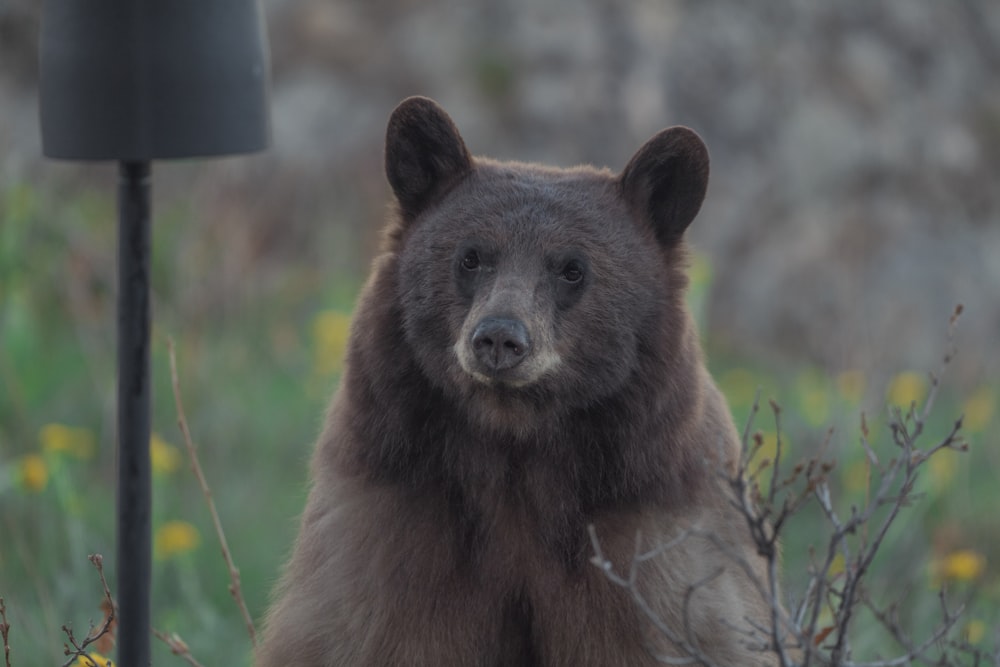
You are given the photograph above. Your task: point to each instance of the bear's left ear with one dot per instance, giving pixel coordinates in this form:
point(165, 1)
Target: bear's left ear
point(424, 153)
point(665, 181)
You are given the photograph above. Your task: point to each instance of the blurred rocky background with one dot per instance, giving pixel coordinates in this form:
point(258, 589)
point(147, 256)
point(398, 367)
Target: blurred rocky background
point(855, 193)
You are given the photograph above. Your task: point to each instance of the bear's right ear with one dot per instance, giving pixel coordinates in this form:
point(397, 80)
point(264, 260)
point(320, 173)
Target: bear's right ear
point(665, 182)
point(424, 153)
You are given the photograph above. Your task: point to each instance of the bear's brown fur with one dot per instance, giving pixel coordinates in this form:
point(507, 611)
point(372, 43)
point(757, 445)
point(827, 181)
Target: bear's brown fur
point(522, 365)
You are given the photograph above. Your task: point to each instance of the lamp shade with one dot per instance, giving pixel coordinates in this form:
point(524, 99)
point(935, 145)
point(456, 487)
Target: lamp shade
point(149, 79)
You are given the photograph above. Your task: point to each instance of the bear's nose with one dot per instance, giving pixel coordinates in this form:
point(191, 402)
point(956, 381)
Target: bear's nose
point(500, 342)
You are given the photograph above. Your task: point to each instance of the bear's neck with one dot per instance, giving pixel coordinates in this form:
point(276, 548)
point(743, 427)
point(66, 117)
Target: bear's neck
point(406, 431)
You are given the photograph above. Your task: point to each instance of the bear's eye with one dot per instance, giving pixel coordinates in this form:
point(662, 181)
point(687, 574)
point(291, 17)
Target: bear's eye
point(470, 262)
point(572, 272)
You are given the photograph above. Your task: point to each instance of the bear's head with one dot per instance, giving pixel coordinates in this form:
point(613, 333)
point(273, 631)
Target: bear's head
point(525, 289)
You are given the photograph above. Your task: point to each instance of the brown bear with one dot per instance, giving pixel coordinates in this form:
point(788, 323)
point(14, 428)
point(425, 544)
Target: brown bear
point(522, 367)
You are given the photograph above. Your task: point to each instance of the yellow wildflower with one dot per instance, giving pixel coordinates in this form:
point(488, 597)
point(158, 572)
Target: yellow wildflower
point(978, 410)
point(942, 467)
point(975, 631)
point(331, 330)
point(175, 538)
point(94, 660)
point(836, 565)
point(851, 386)
point(961, 565)
point(59, 438)
point(814, 401)
point(857, 476)
point(907, 388)
point(33, 473)
point(165, 458)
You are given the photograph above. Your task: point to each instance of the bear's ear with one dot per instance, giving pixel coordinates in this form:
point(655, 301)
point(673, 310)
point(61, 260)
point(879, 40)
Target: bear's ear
point(424, 153)
point(665, 181)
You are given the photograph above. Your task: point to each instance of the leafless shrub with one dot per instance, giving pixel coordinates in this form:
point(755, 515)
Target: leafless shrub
point(816, 627)
point(102, 635)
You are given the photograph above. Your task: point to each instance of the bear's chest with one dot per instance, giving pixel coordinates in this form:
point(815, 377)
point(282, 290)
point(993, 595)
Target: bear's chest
point(525, 520)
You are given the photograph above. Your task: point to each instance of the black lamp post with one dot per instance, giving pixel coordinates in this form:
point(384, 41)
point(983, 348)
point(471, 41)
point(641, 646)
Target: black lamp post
point(133, 81)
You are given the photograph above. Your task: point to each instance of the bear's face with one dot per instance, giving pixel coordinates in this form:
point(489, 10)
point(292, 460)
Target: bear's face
point(523, 288)
point(524, 284)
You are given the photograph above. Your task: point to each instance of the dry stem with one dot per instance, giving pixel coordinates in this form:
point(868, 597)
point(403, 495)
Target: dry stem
point(94, 634)
point(177, 646)
point(4, 633)
point(234, 574)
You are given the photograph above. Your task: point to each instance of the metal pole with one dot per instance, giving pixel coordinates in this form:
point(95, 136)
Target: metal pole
point(134, 486)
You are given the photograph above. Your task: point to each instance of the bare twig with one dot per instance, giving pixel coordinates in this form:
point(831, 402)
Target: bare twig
point(5, 633)
point(890, 621)
point(177, 646)
point(234, 574)
point(79, 649)
point(694, 654)
point(776, 466)
point(745, 439)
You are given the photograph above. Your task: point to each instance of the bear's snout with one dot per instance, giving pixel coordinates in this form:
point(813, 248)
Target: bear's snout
point(505, 350)
point(500, 343)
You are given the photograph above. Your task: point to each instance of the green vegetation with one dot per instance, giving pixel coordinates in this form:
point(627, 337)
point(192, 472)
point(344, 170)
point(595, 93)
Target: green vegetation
point(257, 366)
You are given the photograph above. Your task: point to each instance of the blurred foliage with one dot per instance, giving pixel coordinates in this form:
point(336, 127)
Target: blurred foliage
point(256, 378)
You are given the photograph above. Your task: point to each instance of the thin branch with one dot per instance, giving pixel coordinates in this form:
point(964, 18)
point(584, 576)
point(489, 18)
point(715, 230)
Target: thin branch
point(94, 634)
point(692, 588)
point(234, 574)
point(890, 622)
point(775, 467)
point(768, 591)
point(779, 616)
point(4, 633)
point(694, 655)
point(177, 646)
point(945, 362)
point(745, 439)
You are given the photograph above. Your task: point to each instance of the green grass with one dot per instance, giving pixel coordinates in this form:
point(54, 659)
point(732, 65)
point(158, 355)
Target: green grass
point(256, 373)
